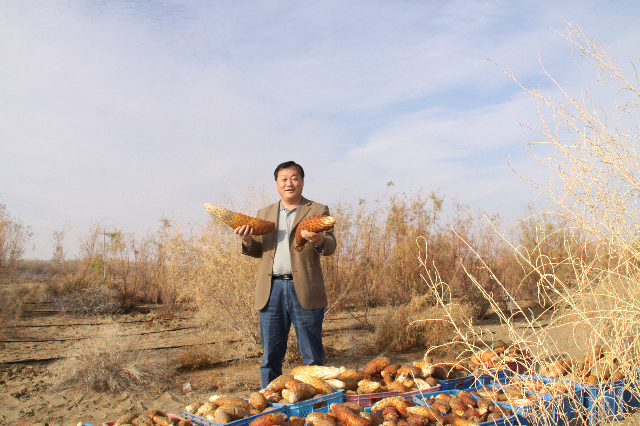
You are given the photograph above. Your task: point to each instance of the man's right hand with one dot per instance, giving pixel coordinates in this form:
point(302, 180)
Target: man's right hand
point(244, 232)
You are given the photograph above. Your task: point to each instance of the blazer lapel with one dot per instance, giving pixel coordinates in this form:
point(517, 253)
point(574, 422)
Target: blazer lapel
point(303, 210)
point(272, 214)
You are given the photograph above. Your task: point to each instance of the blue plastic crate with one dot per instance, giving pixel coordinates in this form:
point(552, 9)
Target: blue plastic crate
point(464, 382)
point(499, 375)
point(514, 420)
point(318, 404)
point(604, 402)
point(572, 404)
point(550, 411)
point(631, 395)
point(568, 408)
point(601, 403)
point(532, 415)
point(242, 422)
point(540, 413)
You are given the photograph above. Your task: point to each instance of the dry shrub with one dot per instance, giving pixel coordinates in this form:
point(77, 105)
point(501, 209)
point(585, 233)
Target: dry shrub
point(8, 313)
point(196, 357)
point(13, 299)
point(84, 272)
point(223, 284)
point(210, 270)
point(416, 324)
point(35, 269)
point(136, 268)
point(105, 364)
point(100, 300)
point(376, 258)
point(586, 265)
point(595, 163)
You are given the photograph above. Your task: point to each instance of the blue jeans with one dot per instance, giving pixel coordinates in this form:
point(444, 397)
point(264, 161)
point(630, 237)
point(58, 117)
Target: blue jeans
point(282, 309)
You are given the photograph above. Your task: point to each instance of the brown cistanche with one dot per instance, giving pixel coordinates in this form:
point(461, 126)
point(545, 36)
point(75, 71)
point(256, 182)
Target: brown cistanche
point(233, 219)
point(312, 224)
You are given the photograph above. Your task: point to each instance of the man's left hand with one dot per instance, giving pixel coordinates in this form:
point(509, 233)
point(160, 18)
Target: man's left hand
point(315, 238)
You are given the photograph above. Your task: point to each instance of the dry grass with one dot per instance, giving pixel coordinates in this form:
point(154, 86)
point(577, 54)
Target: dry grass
point(377, 262)
point(196, 357)
point(13, 299)
point(417, 324)
point(105, 364)
point(102, 300)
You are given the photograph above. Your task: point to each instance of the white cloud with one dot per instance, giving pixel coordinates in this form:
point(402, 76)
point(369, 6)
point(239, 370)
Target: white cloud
point(131, 110)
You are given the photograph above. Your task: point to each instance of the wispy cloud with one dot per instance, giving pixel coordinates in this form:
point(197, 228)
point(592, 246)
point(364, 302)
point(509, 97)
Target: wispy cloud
point(126, 111)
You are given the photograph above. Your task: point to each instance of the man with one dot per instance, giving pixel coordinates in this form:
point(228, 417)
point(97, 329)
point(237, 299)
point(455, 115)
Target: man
point(290, 287)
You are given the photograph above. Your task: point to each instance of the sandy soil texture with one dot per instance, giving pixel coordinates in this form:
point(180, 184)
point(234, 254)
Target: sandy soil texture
point(30, 349)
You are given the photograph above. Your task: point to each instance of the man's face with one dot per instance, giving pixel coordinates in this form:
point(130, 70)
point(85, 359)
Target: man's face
point(289, 184)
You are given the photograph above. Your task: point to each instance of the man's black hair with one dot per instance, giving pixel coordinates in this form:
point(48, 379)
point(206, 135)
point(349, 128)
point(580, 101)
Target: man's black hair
point(287, 165)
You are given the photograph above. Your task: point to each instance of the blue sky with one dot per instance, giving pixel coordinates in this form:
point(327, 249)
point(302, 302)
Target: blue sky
point(122, 112)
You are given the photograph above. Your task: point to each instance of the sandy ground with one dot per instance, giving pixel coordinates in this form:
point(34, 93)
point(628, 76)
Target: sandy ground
point(32, 347)
point(29, 351)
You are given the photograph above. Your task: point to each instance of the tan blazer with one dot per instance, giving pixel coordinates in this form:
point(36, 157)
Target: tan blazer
point(305, 265)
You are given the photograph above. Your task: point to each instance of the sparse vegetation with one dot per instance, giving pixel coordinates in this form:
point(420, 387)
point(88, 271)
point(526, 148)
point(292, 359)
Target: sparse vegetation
point(376, 264)
point(106, 364)
point(196, 357)
point(417, 324)
point(12, 303)
point(101, 300)
point(36, 269)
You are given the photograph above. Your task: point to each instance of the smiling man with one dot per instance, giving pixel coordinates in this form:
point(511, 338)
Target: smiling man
point(290, 287)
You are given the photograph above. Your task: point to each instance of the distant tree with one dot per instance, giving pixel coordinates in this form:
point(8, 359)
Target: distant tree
point(14, 238)
point(57, 238)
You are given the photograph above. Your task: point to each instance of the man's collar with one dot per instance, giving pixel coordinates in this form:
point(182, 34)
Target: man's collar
point(282, 207)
